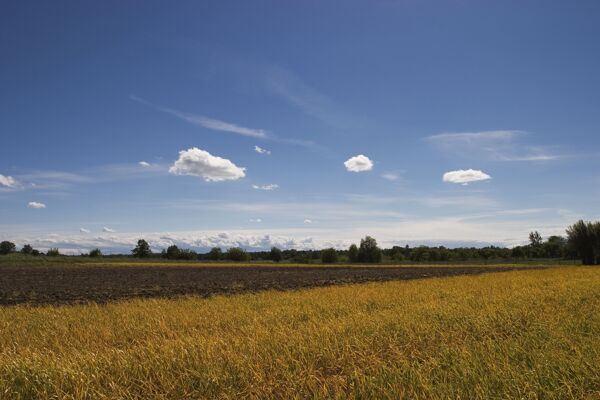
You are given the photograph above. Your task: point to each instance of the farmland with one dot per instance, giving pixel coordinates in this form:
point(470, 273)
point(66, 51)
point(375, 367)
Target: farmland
point(516, 334)
point(56, 283)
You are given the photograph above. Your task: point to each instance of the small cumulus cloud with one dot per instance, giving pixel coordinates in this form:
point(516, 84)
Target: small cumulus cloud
point(198, 162)
point(36, 205)
point(465, 176)
point(308, 221)
point(108, 230)
point(255, 220)
point(270, 186)
point(260, 150)
point(8, 181)
point(144, 164)
point(359, 163)
point(83, 230)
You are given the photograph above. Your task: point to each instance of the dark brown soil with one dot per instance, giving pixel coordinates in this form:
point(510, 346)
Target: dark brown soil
point(60, 285)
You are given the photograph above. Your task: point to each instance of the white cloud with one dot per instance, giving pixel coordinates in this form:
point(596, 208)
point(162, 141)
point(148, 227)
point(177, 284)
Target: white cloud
point(501, 145)
point(260, 150)
point(270, 186)
point(390, 176)
point(198, 162)
point(8, 181)
point(207, 122)
point(218, 125)
point(255, 220)
point(36, 205)
point(465, 176)
point(108, 230)
point(359, 163)
point(83, 230)
point(308, 221)
point(144, 164)
point(288, 86)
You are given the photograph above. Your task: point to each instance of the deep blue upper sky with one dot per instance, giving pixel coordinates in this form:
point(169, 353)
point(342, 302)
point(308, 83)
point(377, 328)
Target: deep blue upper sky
point(88, 90)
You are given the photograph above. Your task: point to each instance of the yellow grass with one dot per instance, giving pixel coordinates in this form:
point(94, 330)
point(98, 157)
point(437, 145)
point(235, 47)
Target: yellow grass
point(523, 334)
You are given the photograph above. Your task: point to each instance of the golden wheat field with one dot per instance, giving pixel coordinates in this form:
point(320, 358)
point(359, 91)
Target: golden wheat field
point(523, 334)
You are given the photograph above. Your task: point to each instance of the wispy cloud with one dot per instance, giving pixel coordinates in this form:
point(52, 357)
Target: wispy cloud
point(36, 205)
point(270, 186)
point(390, 176)
point(500, 145)
point(108, 230)
point(206, 122)
point(260, 150)
point(288, 86)
point(218, 125)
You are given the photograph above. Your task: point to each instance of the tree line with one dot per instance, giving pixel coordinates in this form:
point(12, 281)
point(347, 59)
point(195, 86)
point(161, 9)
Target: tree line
point(582, 241)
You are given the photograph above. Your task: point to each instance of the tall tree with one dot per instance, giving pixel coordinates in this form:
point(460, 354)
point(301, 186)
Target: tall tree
point(275, 254)
point(368, 251)
point(581, 237)
point(142, 250)
point(353, 253)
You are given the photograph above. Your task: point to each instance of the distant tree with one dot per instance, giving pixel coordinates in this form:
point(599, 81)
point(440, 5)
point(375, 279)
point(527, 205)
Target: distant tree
point(275, 254)
point(555, 247)
point(582, 236)
point(535, 239)
point(353, 253)
point(236, 254)
point(27, 249)
point(95, 253)
point(53, 252)
point(518, 252)
point(35, 252)
point(7, 247)
point(142, 250)
point(215, 254)
point(329, 256)
point(172, 253)
point(187, 254)
point(368, 251)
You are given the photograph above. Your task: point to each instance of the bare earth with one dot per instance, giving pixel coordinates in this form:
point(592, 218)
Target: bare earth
point(67, 285)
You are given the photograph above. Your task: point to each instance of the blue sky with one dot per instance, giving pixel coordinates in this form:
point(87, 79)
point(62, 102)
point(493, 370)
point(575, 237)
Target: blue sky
point(435, 122)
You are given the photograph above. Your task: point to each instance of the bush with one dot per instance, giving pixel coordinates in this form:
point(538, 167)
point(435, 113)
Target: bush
point(329, 256)
point(27, 249)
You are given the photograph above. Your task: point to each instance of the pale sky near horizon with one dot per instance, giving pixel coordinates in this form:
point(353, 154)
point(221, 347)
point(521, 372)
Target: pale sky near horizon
point(297, 124)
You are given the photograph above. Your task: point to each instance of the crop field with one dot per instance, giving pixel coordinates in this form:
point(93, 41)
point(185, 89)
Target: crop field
point(527, 334)
point(101, 282)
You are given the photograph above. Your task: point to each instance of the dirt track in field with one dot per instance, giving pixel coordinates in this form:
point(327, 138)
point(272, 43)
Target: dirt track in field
point(67, 285)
